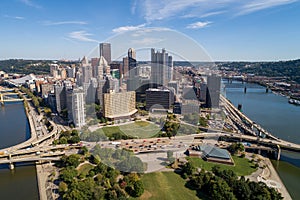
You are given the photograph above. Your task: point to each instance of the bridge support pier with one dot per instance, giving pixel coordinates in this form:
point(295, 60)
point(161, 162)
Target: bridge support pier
point(11, 166)
point(278, 152)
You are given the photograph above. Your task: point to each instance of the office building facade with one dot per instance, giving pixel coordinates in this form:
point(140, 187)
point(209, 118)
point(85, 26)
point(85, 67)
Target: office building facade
point(119, 105)
point(159, 98)
point(161, 67)
point(105, 51)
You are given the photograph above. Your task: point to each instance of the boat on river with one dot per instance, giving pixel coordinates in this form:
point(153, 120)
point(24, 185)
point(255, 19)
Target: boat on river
point(294, 101)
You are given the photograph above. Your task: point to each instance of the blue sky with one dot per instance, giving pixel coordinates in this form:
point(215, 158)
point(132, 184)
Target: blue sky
point(254, 30)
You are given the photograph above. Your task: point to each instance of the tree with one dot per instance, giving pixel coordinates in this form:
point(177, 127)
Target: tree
point(189, 168)
point(136, 189)
point(71, 161)
point(84, 150)
point(236, 148)
point(63, 140)
point(219, 190)
point(63, 187)
point(74, 139)
point(68, 174)
point(170, 157)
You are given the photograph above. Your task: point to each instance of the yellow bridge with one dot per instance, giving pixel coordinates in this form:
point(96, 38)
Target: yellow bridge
point(9, 97)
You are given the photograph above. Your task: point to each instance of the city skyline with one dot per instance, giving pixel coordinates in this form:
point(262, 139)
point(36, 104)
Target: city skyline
point(253, 30)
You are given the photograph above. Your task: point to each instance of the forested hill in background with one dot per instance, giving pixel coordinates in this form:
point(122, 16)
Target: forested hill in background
point(21, 66)
point(289, 69)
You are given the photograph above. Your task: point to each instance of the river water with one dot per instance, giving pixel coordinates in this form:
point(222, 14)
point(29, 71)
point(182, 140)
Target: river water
point(274, 113)
point(21, 183)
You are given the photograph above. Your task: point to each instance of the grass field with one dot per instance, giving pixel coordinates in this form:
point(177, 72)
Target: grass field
point(108, 131)
point(140, 129)
point(242, 166)
point(84, 168)
point(166, 186)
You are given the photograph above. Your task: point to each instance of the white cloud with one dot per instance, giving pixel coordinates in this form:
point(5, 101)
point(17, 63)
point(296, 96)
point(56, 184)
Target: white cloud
point(148, 41)
point(30, 3)
point(81, 36)
point(123, 29)
point(213, 13)
point(14, 17)
point(198, 25)
point(166, 9)
point(144, 31)
point(257, 5)
point(133, 7)
point(50, 23)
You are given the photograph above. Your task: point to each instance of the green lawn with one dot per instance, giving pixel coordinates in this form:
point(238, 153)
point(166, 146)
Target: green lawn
point(140, 129)
point(242, 167)
point(85, 168)
point(111, 129)
point(166, 186)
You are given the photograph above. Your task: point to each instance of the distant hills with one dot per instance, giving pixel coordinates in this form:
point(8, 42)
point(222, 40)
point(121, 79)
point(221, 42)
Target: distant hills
point(289, 69)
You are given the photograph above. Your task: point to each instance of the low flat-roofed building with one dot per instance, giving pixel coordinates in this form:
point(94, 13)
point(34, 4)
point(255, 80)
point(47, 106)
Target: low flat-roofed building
point(212, 154)
point(159, 99)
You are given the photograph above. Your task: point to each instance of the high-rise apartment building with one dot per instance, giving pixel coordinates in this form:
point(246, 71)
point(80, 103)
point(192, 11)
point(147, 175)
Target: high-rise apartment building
point(76, 106)
point(119, 105)
point(105, 51)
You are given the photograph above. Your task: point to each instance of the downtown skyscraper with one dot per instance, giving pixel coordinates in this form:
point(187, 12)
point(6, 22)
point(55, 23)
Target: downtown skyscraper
point(105, 51)
point(161, 67)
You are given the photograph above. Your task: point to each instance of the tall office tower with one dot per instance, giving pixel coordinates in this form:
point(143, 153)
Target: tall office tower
point(132, 63)
point(76, 106)
point(119, 105)
point(175, 85)
point(84, 62)
point(63, 73)
point(71, 72)
point(94, 64)
point(203, 91)
point(161, 67)
point(113, 84)
point(125, 67)
point(213, 91)
point(103, 64)
point(102, 88)
point(101, 68)
point(60, 95)
point(87, 73)
point(116, 65)
point(159, 98)
point(170, 68)
point(53, 67)
point(90, 91)
point(105, 51)
point(79, 78)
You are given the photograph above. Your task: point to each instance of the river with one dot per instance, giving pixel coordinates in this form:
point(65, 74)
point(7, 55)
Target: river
point(21, 183)
point(274, 113)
